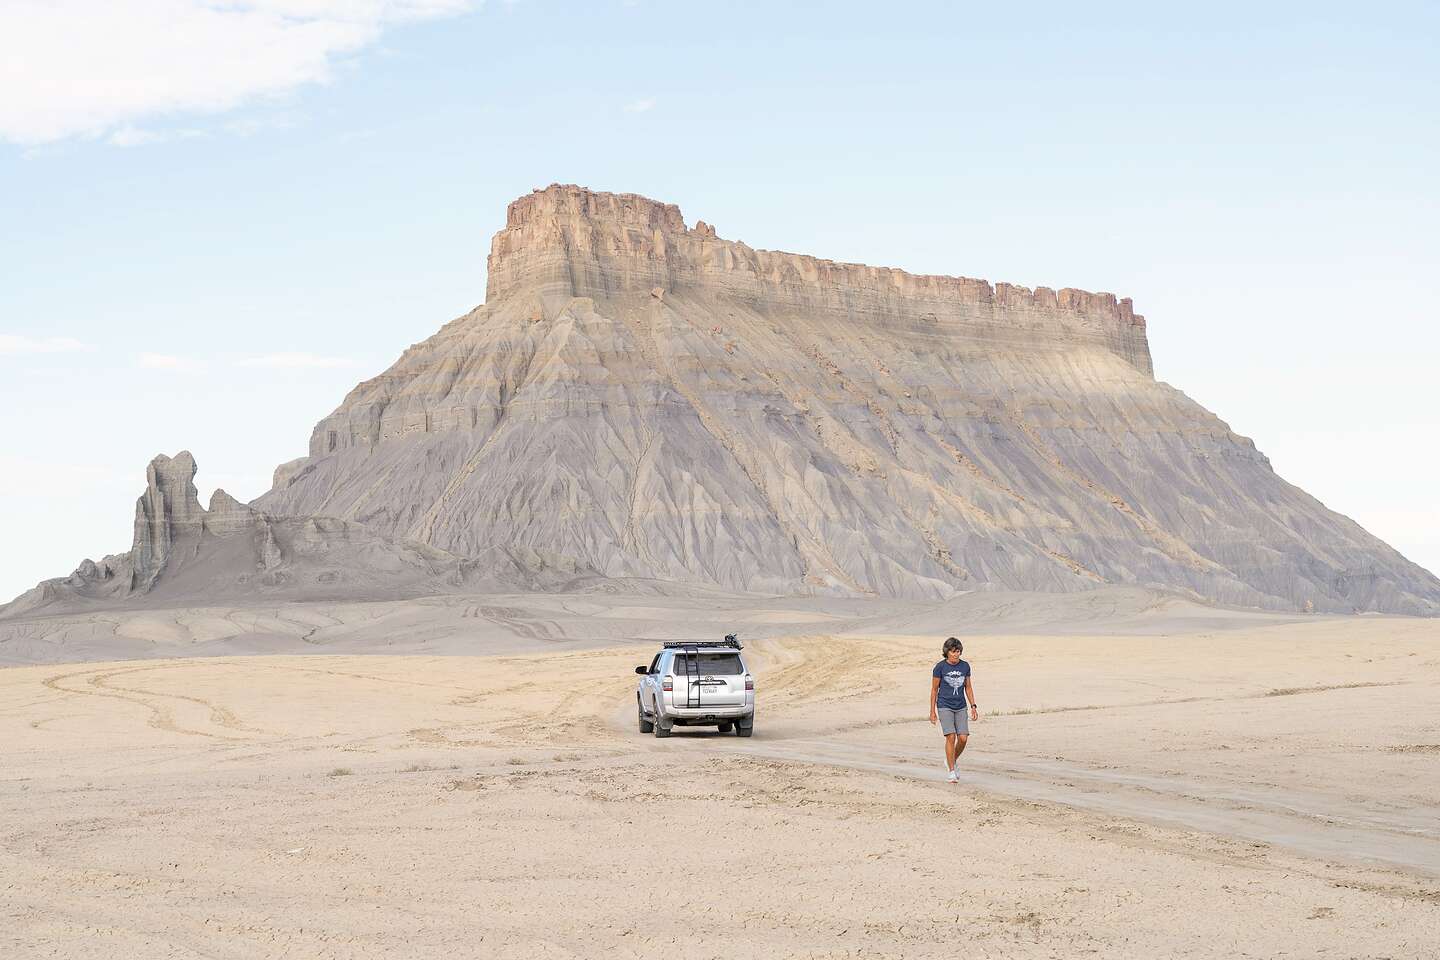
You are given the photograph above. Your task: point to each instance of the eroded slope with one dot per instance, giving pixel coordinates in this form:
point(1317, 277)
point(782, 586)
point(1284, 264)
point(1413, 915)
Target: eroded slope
point(647, 400)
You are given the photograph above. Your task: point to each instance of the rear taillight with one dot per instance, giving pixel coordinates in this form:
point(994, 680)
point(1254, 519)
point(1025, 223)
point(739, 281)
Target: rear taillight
point(669, 685)
point(749, 683)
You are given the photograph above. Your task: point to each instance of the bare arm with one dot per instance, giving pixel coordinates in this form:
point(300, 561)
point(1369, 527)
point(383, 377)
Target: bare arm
point(970, 696)
point(934, 692)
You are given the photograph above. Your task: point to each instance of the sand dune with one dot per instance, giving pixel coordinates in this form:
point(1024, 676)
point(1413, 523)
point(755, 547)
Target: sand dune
point(1261, 790)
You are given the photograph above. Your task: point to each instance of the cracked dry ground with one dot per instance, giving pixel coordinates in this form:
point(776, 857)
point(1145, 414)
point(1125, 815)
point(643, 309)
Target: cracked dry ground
point(1263, 792)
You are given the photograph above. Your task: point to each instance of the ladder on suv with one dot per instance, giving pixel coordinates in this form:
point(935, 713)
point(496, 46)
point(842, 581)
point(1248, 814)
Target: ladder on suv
point(690, 654)
point(692, 678)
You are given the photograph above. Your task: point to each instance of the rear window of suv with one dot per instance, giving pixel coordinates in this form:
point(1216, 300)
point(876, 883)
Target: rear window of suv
point(711, 664)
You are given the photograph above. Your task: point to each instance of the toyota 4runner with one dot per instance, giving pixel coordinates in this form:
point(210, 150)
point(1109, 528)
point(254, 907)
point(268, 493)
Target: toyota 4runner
point(695, 684)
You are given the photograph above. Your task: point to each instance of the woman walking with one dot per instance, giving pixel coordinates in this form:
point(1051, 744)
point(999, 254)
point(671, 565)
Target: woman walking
point(950, 690)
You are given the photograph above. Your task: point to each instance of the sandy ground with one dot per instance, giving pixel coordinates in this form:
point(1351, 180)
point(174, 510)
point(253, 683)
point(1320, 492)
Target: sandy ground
point(517, 623)
point(1260, 790)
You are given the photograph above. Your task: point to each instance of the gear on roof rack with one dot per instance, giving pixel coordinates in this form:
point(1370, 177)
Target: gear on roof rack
point(731, 640)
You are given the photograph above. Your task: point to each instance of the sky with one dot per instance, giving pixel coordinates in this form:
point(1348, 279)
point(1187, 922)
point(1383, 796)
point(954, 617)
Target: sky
point(217, 217)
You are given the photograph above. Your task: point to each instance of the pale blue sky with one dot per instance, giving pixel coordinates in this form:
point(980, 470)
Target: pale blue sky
point(205, 248)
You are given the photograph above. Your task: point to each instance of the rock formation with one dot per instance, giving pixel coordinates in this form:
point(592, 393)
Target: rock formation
point(642, 399)
point(169, 518)
point(565, 242)
point(649, 400)
point(231, 552)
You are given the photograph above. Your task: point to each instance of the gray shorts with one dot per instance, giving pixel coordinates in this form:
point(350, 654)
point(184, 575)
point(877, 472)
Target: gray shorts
point(954, 721)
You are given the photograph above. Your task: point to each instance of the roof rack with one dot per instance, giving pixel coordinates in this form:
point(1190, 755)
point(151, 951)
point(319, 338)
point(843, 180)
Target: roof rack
point(730, 641)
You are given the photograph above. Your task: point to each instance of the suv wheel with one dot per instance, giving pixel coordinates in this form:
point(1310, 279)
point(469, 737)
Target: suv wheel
point(726, 727)
point(646, 726)
point(662, 729)
point(744, 729)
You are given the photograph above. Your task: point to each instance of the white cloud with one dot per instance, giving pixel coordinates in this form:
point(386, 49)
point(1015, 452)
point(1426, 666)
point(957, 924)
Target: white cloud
point(165, 361)
point(250, 126)
point(294, 360)
point(94, 68)
point(16, 345)
point(128, 136)
point(641, 105)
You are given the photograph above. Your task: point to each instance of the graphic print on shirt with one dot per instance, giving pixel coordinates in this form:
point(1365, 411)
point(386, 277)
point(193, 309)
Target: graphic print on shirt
point(951, 694)
point(956, 679)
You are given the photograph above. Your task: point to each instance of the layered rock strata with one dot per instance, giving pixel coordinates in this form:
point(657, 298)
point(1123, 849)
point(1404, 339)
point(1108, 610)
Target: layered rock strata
point(565, 242)
point(644, 399)
point(641, 399)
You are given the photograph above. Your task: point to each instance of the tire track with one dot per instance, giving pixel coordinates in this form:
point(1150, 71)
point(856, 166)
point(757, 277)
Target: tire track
point(100, 683)
point(1304, 823)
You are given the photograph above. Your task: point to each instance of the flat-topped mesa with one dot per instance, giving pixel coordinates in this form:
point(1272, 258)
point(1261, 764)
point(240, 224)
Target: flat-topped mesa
point(628, 209)
point(566, 241)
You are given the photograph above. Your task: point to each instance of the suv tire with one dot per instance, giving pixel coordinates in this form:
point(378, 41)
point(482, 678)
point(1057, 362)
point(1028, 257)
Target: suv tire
point(726, 727)
point(744, 729)
point(662, 729)
point(646, 726)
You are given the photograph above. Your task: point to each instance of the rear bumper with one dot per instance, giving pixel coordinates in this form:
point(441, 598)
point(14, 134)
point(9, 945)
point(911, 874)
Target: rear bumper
point(703, 715)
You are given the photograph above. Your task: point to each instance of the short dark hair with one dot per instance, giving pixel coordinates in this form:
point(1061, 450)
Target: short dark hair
point(952, 644)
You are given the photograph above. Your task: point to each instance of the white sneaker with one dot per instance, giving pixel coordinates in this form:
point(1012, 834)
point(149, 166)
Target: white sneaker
point(954, 777)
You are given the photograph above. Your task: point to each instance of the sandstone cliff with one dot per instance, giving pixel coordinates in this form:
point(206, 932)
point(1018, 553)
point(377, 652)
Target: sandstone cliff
point(641, 398)
point(565, 242)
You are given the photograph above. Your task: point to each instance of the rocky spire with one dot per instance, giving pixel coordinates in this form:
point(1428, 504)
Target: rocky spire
point(170, 523)
point(168, 517)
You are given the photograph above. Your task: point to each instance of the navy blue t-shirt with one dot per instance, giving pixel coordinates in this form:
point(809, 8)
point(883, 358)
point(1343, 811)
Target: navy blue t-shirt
point(952, 678)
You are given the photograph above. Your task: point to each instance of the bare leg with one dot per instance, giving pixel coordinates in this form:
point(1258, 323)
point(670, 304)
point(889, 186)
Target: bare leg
point(951, 751)
point(960, 740)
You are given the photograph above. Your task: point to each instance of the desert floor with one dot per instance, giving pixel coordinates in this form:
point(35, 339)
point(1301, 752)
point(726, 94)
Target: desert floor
point(1255, 790)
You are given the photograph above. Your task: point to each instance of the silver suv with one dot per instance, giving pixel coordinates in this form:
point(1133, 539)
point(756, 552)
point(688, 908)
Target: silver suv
point(696, 685)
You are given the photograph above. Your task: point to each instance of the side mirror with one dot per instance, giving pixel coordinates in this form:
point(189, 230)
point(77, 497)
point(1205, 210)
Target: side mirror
point(642, 670)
